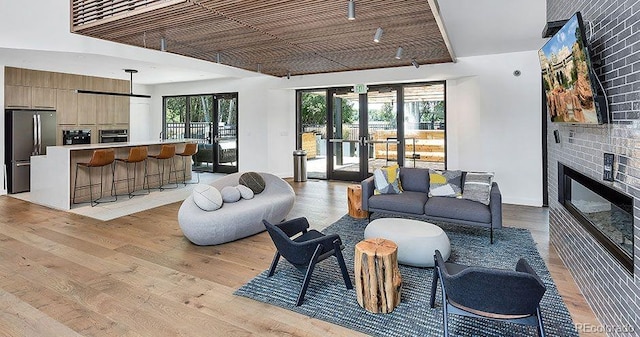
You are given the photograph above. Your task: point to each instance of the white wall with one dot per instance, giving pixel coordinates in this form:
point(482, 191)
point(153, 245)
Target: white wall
point(140, 115)
point(266, 119)
point(493, 117)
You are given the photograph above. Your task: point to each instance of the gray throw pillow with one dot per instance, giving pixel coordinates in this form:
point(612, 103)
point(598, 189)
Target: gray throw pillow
point(245, 192)
point(207, 197)
point(477, 186)
point(230, 194)
point(252, 180)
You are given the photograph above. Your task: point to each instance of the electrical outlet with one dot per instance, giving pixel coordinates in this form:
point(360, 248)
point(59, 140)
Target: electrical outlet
point(608, 166)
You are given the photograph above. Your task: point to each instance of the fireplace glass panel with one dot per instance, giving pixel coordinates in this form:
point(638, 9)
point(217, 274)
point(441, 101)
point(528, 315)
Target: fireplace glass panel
point(615, 221)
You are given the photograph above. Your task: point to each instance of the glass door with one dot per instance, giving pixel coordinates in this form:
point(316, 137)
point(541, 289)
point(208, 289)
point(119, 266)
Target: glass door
point(383, 141)
point(347, 135)
point(212, 121)
point(313, 131)
point(225, 133)
point(346, 142)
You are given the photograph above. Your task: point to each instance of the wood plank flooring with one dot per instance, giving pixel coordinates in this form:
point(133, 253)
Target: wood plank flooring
point(63, 274)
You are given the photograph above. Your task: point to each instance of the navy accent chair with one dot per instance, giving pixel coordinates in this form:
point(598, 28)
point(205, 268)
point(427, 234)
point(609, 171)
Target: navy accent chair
point(498, 294)
point(304, 251)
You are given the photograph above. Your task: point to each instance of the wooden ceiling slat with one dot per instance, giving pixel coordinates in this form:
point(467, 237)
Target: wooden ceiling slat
point(302, 36)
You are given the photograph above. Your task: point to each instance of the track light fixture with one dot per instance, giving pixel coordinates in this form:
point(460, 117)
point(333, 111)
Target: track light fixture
point(415, 63)
point(260, 67)
point(378, 36)
point(289, 75)
point(399, 53)
point(163, 44)
point(217, 57)
point(351, 10)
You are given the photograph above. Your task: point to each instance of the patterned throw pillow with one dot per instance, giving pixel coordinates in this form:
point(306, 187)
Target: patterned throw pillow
point(445, 183)
point(387, 180)
point(477, 186)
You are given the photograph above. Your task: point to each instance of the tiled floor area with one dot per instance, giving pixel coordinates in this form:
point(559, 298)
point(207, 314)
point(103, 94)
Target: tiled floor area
point(125, 206)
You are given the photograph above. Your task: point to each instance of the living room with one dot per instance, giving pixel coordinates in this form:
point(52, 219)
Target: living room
point(494, 118)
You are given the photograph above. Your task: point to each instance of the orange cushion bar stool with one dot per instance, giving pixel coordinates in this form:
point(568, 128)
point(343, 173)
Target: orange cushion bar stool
point(137, 155)
point(99, 158)
point(167, 152)
point(190, 149)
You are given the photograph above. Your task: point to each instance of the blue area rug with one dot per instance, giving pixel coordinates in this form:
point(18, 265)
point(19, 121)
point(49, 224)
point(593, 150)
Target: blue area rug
point(327, 298)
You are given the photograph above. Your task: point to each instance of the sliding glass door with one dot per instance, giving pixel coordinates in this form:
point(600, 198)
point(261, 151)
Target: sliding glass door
point(211, 120)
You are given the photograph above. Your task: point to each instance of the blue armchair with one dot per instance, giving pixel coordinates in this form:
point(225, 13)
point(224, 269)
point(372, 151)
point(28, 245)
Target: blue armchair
point(305, 250)
point(504, 295)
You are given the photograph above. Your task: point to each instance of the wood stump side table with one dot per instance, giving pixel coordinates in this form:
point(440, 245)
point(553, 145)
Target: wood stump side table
point(354, 199)
point(378, 280)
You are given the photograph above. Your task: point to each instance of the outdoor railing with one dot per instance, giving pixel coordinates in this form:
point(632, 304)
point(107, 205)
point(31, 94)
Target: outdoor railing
point(199, 130)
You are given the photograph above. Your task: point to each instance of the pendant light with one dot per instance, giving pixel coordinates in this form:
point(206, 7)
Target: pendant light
point(130, 94)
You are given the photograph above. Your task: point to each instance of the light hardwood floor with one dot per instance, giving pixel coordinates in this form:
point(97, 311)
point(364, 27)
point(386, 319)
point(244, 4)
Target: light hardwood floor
point(62, 274)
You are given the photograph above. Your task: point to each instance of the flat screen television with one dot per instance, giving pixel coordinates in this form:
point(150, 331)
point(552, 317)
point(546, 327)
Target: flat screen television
point(569, 82)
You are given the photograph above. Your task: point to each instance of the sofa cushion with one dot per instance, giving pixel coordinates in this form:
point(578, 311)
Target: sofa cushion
point(414, 179)
point(245, 192)
point(207, 197)
point(407, 202)
point(461, 209)
point(252, 180)
point(445, 183)
point(477, 186)
point(230, 194)
point(387, 180)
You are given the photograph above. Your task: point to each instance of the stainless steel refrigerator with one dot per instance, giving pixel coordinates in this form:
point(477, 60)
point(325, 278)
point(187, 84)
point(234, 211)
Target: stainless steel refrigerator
point(27, 133)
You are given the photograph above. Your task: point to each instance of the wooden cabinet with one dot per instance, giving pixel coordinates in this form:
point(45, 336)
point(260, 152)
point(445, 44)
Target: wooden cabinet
point(67, 102)
point(17, 96)
point(43, 98)
point(35, 89)
point(87, 109)
point(122, 108)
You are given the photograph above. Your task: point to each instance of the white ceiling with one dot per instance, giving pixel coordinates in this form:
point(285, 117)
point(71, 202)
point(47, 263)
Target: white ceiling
point(473, 27)
point(493, 26)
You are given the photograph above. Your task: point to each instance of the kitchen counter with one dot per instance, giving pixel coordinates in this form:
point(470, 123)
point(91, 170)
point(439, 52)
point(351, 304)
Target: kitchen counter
point(78, 147)
point(52, 175)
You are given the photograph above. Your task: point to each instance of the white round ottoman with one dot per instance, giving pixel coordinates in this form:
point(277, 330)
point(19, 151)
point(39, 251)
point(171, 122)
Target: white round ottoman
point(417, 240)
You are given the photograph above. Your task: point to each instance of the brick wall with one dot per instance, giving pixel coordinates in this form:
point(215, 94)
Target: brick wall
point(613, 30)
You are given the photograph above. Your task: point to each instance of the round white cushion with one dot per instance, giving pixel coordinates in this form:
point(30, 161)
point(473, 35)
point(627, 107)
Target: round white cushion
point(245, 192)
point(207, 197)
point(417, 240)
point(230, 194)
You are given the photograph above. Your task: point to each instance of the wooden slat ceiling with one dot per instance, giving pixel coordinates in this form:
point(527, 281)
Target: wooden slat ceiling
point(278, 36)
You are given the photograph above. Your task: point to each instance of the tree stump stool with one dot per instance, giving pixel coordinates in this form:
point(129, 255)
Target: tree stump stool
point(354, 199)
point(378, 280)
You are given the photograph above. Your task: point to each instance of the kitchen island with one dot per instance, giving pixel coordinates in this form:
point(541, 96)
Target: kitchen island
point(52, 175)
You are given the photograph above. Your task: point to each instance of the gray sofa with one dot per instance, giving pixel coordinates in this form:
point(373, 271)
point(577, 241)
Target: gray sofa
point(415, 202)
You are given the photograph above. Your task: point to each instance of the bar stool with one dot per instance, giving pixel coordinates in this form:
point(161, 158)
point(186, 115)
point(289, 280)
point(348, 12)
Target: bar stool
point(189, 150)
point(167, 152)
point(99, 158)
point(136, 155)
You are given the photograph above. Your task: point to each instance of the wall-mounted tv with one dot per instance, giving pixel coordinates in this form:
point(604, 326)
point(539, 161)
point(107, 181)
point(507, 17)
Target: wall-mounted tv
point(570, 84)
